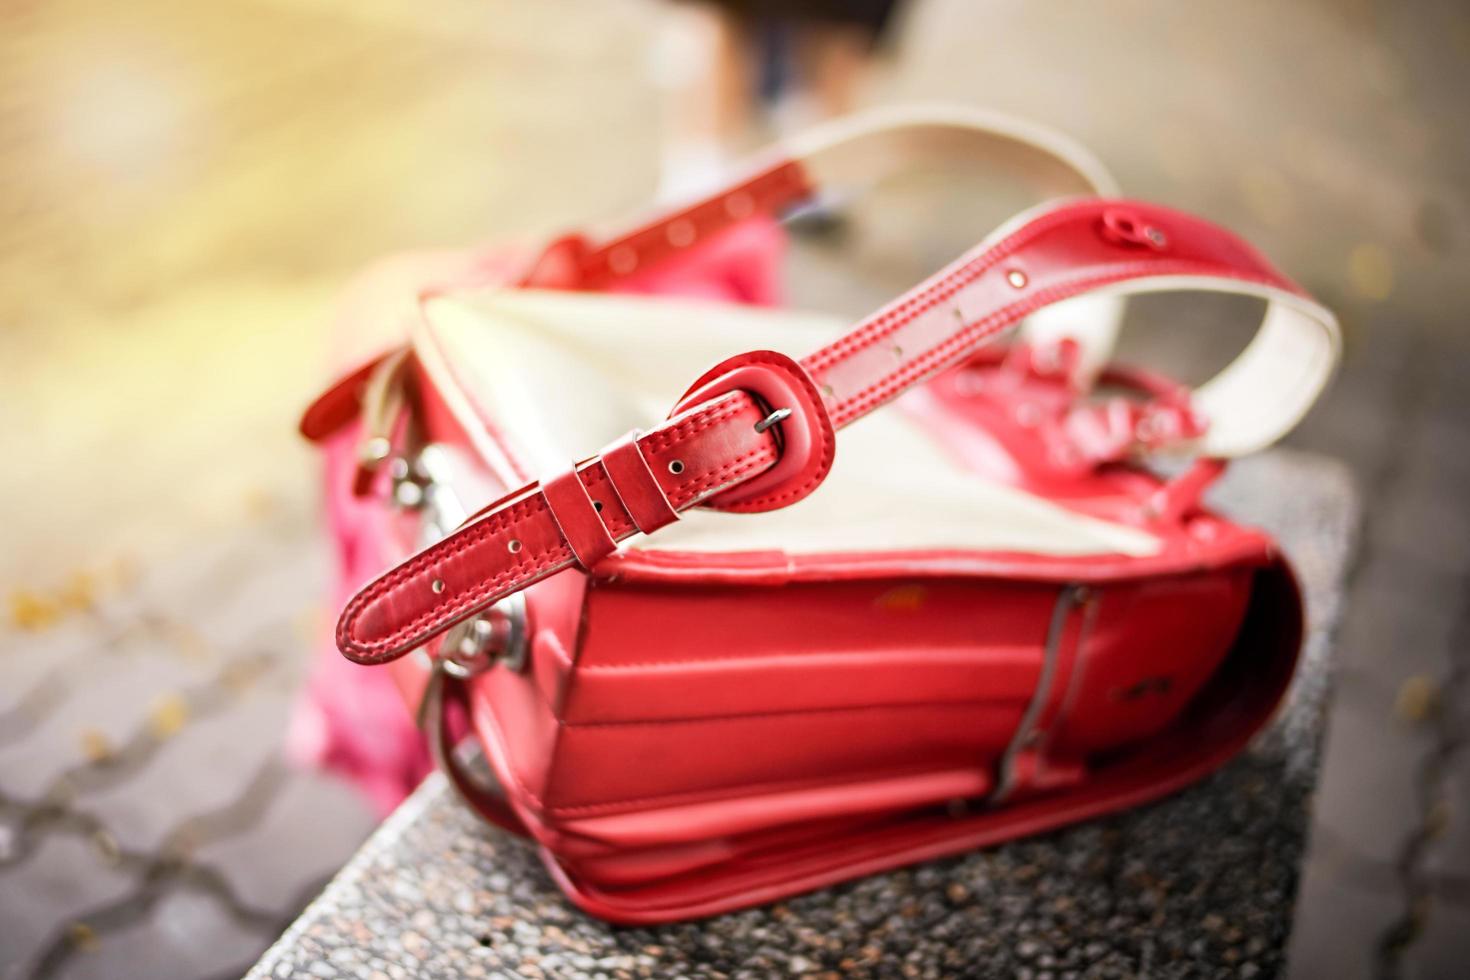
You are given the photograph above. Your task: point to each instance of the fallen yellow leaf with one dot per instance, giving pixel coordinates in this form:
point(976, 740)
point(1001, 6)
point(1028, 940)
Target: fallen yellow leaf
point(170, 713)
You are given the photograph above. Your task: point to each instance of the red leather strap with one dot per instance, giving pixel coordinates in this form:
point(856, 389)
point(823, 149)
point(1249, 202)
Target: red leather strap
point(768, 191)
point(516, 540)
point(572, 262)
point(637, 488)
point(1059, 252)
point(856, 152)
point(576, 518)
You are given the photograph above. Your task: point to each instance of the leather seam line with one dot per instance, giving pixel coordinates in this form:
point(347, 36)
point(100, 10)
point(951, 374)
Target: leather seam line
point(889, 320)
point(730, 469)
point(658, 441)
point(466, 605)
point(829, 449)
point(509, 765)
point(865, 400)
point(466, 601)
point(790, 713)
point(477, 533)
point(717, 794)
point(734, 657)
point(513, 516)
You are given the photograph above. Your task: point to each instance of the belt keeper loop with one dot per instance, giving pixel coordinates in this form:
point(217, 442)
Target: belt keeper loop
point(637, 487)
point(577, 518)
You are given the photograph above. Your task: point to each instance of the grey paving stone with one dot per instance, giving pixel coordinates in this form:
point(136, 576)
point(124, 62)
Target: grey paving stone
point(1447, 854)
point(1438, 446)
point(1350, 421)
point(1341, 917)
point(105, 711)
point(311, 825)
point(1368, 793)
point(27, 656)
point(1400, 620)
point(267, 600)
point(60, 882)
point(204, 767)
point(1428, 518)
point(1441, 951)
point(1445, 373)
point(185, 935)
point(1357, 433)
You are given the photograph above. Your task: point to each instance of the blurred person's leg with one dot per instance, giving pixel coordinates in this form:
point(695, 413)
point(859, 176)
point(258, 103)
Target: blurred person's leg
point(706, 61)
point(833, 59)
point(834, 47)
point(710, 57)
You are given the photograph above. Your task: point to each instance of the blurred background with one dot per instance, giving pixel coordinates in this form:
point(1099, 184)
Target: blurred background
point(185, 187)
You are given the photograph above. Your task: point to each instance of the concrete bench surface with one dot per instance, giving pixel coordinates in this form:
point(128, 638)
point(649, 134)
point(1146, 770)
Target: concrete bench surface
point(1200, 884)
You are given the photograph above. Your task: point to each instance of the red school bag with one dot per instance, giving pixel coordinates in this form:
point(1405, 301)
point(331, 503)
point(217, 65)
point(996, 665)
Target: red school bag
point(732, 655)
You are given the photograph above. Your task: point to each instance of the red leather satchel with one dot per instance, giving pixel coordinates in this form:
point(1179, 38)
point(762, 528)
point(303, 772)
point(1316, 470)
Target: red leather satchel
point(731, 654)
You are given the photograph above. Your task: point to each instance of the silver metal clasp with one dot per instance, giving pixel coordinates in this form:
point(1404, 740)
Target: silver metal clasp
point(496, 635)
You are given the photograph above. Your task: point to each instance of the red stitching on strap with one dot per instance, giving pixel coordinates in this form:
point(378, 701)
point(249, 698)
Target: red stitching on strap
point(632, 469)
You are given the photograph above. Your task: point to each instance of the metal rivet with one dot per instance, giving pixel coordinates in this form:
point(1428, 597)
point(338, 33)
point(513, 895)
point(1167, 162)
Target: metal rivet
point(739, 205)
point(513, 545)
point(375, 450)
point(680, 233)
point(1156, 236)
point(827, 390)
point(622, 260)
point(897, 351)
point(409, 495)
point(437, 585)
point(1016, 278)
point(676, 466)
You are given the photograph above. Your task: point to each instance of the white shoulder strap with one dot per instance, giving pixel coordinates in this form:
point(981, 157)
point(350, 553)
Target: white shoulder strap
point(867, 147)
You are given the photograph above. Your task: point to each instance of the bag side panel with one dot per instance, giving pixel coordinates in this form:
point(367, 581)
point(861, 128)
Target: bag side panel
point(1148, 652)
point(1237, 701)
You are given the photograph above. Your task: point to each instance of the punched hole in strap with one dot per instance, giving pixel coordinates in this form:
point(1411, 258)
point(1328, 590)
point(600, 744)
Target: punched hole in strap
point(577, 518)
point(633, 481)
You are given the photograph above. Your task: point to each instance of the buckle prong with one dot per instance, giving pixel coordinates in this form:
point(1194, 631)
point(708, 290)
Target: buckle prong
point(779, 415)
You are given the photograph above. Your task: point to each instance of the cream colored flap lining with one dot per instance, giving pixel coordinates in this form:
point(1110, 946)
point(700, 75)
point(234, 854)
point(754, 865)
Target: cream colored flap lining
point(564, 373)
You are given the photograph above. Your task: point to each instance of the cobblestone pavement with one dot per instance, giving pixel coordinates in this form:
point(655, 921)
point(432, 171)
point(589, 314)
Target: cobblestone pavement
point(185, 186)
point(148, 824)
